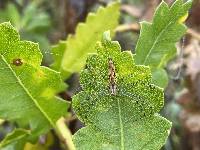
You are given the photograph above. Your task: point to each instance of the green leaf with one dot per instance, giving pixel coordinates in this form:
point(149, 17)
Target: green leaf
point(156, 44)
point(159, 77)
point(29, 89)
point(73, 55)
point(58, 52)
point(10, 13)
point(35, 20)
point(126, 118)
point(15, 140)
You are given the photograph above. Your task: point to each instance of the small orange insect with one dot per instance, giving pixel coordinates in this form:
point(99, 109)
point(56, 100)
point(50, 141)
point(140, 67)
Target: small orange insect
point(112, 79)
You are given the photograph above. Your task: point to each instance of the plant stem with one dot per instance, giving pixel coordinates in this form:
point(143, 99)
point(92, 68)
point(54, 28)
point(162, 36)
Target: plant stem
point(64, 134)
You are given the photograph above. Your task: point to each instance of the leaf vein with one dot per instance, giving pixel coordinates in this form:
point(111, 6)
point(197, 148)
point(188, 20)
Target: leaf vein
point(121, 125)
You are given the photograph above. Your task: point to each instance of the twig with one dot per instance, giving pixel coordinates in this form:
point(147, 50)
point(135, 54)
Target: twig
point(150, 9)
point(132, 10)
point(193, 33)
point(128, 27)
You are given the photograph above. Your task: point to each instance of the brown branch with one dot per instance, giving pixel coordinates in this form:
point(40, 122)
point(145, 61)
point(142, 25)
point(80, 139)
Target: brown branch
point(150, 8)
point(128, 27)
point(132, 10)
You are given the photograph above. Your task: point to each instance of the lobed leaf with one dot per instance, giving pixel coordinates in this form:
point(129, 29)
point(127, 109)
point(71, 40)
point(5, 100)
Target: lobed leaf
point(156, 44)
point(27, 89)
point(127, 119)
point(72, 56)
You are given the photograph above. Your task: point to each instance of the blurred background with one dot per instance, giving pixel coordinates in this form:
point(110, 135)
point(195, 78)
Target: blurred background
point(46, 22)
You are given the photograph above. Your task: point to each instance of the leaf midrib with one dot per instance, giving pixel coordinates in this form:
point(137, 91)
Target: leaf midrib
point(27, 92)
point(158, 37)
point(121, 126)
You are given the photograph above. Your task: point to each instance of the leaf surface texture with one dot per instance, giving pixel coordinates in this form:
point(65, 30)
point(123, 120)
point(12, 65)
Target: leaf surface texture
point(27, 89)
point(127, 119)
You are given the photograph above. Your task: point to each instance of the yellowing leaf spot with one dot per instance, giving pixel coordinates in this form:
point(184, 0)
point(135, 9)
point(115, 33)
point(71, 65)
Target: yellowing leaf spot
point(48, 93)
point(183, 18)
point(39, 75)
